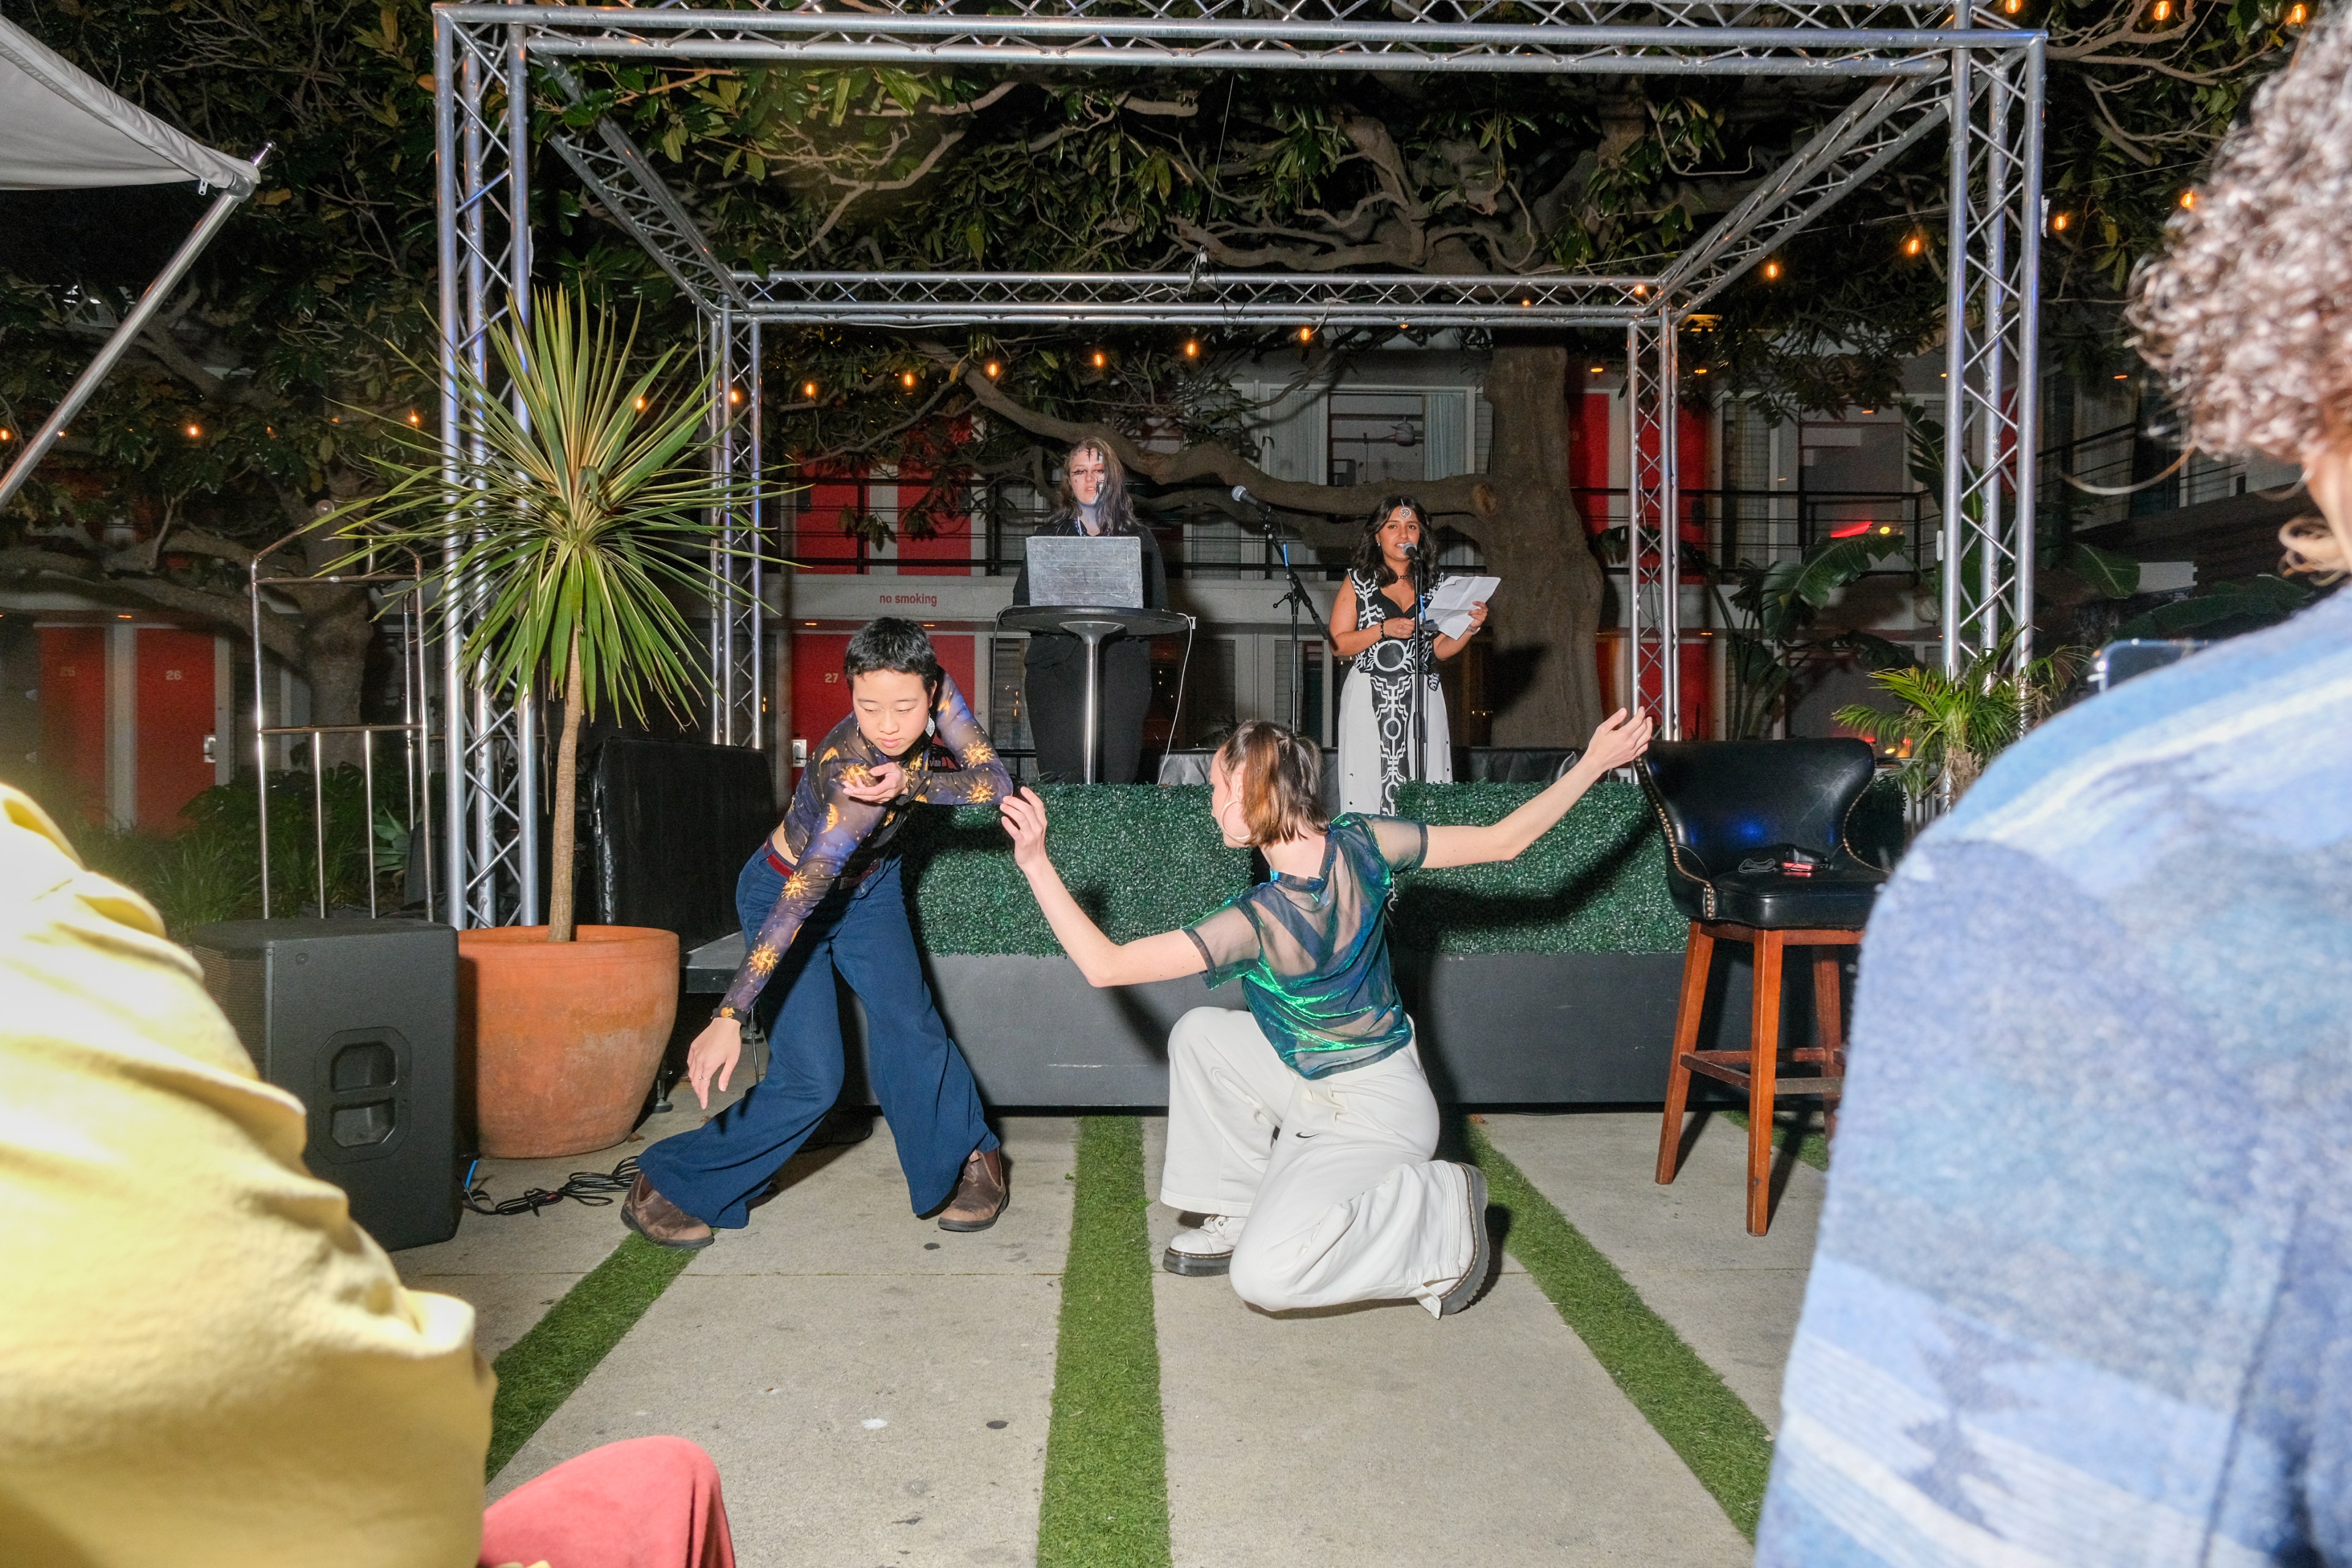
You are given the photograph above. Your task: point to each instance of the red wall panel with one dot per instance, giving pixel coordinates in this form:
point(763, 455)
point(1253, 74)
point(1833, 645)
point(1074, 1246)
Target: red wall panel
point(175, 714)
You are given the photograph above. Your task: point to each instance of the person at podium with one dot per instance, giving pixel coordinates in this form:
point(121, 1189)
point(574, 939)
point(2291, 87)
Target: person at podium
point(1092, 504)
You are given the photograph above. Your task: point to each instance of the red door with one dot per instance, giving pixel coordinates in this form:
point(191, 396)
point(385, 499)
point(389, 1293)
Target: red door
point(175, 714)
point(73, 717)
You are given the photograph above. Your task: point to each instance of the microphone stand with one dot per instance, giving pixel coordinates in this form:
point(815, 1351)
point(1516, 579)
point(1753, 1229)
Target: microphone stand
point(1296, 598)
point(1421, 650)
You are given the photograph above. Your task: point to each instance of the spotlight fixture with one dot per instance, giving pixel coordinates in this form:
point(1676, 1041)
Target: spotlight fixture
point(1192, 348)
point(1101, 359)
point(1772, 271)
point(994, 369)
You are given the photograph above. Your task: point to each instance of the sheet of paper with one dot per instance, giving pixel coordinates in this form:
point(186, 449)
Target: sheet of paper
point(1449, 606)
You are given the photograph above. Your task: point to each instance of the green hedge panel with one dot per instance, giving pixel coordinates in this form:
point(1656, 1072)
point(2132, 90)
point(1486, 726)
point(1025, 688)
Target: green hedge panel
point(1141, 859)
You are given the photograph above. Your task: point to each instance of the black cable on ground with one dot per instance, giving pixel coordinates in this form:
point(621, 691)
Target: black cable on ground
point(593, 1188)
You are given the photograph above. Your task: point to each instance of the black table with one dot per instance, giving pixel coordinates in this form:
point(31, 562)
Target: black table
point(1092, 624)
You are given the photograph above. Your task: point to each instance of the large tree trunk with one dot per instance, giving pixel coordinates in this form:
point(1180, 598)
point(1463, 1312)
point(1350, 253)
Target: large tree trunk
point(1544, 682)
point(339, 632)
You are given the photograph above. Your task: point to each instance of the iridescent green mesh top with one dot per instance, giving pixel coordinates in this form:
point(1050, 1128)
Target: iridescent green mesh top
point(1313, 951)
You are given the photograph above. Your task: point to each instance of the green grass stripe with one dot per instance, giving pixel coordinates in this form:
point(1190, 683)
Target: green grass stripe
point(539, 1370)
point(1711, 1427)
point(1106, 1503)
point(1814, 1151)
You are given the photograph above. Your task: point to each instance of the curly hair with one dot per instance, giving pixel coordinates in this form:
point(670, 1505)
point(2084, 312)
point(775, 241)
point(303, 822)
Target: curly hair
point(2248, 310)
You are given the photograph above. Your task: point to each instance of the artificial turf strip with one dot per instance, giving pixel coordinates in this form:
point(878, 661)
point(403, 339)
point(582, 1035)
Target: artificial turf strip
point(1105, 1502)
point(1814, 1151)
point(1711, 1427)
point(538, 1371)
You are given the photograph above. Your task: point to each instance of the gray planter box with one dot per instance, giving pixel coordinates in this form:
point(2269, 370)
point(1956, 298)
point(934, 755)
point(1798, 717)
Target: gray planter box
point(1508, 1028)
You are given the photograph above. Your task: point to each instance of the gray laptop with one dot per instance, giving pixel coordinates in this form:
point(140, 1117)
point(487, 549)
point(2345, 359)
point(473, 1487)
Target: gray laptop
point(1072, 571)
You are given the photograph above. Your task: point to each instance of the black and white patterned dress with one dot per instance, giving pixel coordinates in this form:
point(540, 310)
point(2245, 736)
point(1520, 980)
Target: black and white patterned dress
point(1376, 712)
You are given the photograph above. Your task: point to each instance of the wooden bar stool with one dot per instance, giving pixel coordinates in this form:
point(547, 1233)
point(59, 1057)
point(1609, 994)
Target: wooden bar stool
point(1757, 852)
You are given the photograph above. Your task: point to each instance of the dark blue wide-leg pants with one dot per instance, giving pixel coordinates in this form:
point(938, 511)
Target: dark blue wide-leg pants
point(921, 1080)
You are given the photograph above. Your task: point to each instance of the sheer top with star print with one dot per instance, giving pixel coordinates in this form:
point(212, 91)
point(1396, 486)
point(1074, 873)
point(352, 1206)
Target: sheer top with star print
point(825, 827)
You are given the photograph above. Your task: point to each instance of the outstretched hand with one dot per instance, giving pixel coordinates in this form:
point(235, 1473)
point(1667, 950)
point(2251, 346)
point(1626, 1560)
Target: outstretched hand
point(1024, 815)
point(1621, 738)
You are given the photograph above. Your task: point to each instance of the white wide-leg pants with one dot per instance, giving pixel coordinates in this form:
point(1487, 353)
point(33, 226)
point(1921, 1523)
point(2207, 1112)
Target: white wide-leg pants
point(1334, 1174)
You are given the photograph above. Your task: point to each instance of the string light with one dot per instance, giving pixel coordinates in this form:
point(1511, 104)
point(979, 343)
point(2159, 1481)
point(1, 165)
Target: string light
point(194, 431)
point(2012, 6)
point(1914, 246)
point(1700, 371)
point(2060, 221)
point(1192, 348)
point(994, 370)
point(641, 405)
point(1525, 303)
point(2123, 375)
point(1305, 334)
point(2160, 11)
point(907, 380)
point(8, 435)
point(734, 394)
point(1101, 359)
point(1772, 271)
point(808, 389)
point(2188, 201)
point(2296, 15)
point(1600, 370)
point(414, 420)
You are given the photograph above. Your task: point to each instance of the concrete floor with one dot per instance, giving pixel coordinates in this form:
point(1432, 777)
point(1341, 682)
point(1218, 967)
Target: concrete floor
point(875, 1390)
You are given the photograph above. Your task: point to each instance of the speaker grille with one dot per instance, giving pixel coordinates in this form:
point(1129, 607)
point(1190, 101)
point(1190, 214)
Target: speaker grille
point(241, 988)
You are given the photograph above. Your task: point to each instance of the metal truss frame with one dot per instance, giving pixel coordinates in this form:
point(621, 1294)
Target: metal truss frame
point(1921, 65)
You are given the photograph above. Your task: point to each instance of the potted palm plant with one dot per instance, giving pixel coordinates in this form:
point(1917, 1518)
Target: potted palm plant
point(1951, 726)
point(578, 520)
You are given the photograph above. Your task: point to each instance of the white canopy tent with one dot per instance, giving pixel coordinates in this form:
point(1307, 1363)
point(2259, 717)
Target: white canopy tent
point(61, 129)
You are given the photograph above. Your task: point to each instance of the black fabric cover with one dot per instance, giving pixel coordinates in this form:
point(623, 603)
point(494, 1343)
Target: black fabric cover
point(1720, 802)
point(673, 822)
point(1513, 764)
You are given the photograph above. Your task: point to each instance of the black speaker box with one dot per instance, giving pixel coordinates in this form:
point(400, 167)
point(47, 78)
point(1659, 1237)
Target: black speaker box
point(358, 1019)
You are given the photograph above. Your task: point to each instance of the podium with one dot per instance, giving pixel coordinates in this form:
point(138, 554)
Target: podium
point(1092, 624)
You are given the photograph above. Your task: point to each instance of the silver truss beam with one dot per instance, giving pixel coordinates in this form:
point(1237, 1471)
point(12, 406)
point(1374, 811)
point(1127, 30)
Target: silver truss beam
point(1687, 38)
point(617, 175)
point(1652, 539)
point(491, 783)
point(1992, 355)
point(738, 604)
point(1200, 297)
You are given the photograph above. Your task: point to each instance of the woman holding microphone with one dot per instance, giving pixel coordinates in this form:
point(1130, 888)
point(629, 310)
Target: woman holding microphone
point(1375, 622)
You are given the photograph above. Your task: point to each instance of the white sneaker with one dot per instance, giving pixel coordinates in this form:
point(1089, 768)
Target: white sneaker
point(1206, 1250)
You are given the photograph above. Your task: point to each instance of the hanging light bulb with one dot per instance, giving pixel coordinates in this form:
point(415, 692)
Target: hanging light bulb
point(1305, 334)
point(734, 394)
point(2059, 223)
point(1700, 371)
point(413, 419)
point(1772, 271)
point(2296, 15)
point(2012, 6)
point(1101, 359)
point(808, 389)
point(1914, 246)
point(2188, 201)
point(1600, 370)
point(2160, 11)
point(194, 431)
point(993, 369)
point(907, 380)
point(641, 405)
point(1192, 348)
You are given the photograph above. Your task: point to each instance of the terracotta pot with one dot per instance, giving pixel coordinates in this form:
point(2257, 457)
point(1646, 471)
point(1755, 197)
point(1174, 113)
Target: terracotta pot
point(563, 1038)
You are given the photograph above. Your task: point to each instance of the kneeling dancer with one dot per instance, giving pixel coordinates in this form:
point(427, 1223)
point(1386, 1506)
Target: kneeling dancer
point(1303, 1128)
point(824, 894)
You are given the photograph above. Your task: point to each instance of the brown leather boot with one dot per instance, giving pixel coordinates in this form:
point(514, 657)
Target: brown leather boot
point(980, 1193)
point(660, 1221)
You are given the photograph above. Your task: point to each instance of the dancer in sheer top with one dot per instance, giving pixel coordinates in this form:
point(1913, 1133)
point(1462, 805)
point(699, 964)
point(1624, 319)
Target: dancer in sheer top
point(1303, 1129)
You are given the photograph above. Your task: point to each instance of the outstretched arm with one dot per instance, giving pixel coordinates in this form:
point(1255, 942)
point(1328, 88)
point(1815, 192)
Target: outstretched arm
point(1102, 961)
point(1620, 739)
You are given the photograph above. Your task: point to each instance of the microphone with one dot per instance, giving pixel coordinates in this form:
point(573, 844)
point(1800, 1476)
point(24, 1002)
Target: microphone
point(1242, 494)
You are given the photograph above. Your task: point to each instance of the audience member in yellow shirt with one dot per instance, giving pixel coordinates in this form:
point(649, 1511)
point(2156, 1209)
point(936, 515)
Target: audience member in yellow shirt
point(203, 1361)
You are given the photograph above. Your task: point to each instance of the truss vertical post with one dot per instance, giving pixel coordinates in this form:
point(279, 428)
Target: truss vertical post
point(1992, 369)
point(1652, 539)
point(736, 607)
point(491, 788)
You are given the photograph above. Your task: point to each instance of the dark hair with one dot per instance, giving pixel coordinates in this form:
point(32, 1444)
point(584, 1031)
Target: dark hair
point(1368, 559)
point(892, 642)
point(1280, 776)
point(1112, 506)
